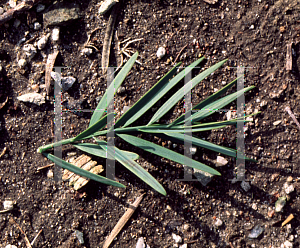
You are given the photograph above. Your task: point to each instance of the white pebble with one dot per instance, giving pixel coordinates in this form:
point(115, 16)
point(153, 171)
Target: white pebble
point(287, 244)
point(43, 41)
point(140, 243)
point(33, 98)
point(50, 174)
point(8, 205)
point(176, 238)
point(55, 34)
point(12, 3)
point(22, 63)
point(106, 5)
point(193, 150)
point(30, 51)
point(161, 52)
point(11, 246)
point(218, 222)
point(245, 186)
point(1, 10)
point(86, 51)
point(36, 26)
point(183, 246)
point(221, 161)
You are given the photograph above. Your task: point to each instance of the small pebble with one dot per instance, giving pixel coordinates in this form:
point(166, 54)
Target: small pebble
point(140, 243)
point(30, 51)
point(17, 23)
point(256, 232)
point(203, 177)
point(55, 34)
point(12, 3)
point(218, 222)
point(193, 150)
point(22, 63)
point(43, 41)
point(276, 123)
point(40, 8)
point(183, 246)
point(1, 10)
point(289, 179)
point(121, 90)
point(36, 26)
point(245, 186)
point(79, 236)
point(8, 205)
point(176, 238)
point(11, 246)
point(50, 174)
point(125, 108)
point(280, 203)
point(221, 161)
point(87, 51)
point(287, 244)
point(33, 98)
point(271, 213)
point(288, 188)
point(161, 52)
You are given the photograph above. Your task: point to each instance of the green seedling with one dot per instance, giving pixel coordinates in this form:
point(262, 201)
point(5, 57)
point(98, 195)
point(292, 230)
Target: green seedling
point(127, 131)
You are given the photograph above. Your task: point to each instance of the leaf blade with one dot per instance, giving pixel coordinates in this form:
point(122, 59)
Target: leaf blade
point(166, 153)
point(81, 172)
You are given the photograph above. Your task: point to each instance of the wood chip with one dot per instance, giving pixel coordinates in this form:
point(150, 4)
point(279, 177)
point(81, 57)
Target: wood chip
point(122, 221)
point(288, 219)
point(49, 66)
point(289, 57)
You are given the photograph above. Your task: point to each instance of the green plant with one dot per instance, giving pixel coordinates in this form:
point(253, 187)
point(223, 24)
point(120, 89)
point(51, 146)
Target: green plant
point(174, 131)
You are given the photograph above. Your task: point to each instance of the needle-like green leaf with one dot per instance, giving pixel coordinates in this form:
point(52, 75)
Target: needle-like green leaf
point(147, 101)
point(94, 128)
point(166, 153)
point(81, 172)
point(113, 87)
point(96, 150)
point(207, 101)
point(134, 167)
point(181, 92)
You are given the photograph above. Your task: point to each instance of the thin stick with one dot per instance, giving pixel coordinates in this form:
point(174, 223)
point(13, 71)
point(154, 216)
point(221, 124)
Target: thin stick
point(25, 236)
point(122, 221)
point(21, 7)
point(107, 39)
point(179, 54)
point(49, 66)
point(288, 109)
point(33, 241)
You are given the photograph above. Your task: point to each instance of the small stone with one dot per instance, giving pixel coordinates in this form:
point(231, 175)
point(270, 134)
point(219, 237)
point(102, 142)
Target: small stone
point(79, 236)
point(36, 26)
point(203, 177)
point(50, 174)
point(276, 123)
point(282, 29)
point(61, 14)
point(254, 206)
point(287, 244)
point(271, 213)
point(221, 161)
point(161, 52)
point(33, 98)
point(251, 27)
point(256, 232)
point(125, 108)
point(289, 179)
point(1, 10)
point(280, 203)
point(87, 51)
point(17, 23)
point(288, 188)
point(55, 34)
point(140, 243)
point(65, 82)
point(176, 238)
point(245, 186)
point(183, 246)
point(106, 6)
point(274, 177)
point(22, 63)
point(218, 222)
point(11, 246)
point(8, 205)
point(121, 90)
point(30, 51)
point(193, 150)
point(12, 3)
point(40, 8)
point(42, 42)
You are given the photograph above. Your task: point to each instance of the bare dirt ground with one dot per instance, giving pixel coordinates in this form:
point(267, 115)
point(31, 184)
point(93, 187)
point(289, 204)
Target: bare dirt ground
point(252, 34)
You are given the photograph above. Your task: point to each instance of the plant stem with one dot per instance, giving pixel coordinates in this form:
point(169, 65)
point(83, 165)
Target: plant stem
point(56, 144)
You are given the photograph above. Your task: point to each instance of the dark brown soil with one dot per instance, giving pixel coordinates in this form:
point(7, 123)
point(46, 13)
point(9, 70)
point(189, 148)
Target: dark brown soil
point(253, 34)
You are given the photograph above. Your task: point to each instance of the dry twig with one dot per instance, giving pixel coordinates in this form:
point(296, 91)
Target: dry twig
point(21, 7)
point(179, 54)
point(49, 66)
point(122, 221)
point(25, 236)
point(289, 57)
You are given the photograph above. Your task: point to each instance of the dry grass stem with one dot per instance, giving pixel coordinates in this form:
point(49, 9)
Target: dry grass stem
point(122, 221)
